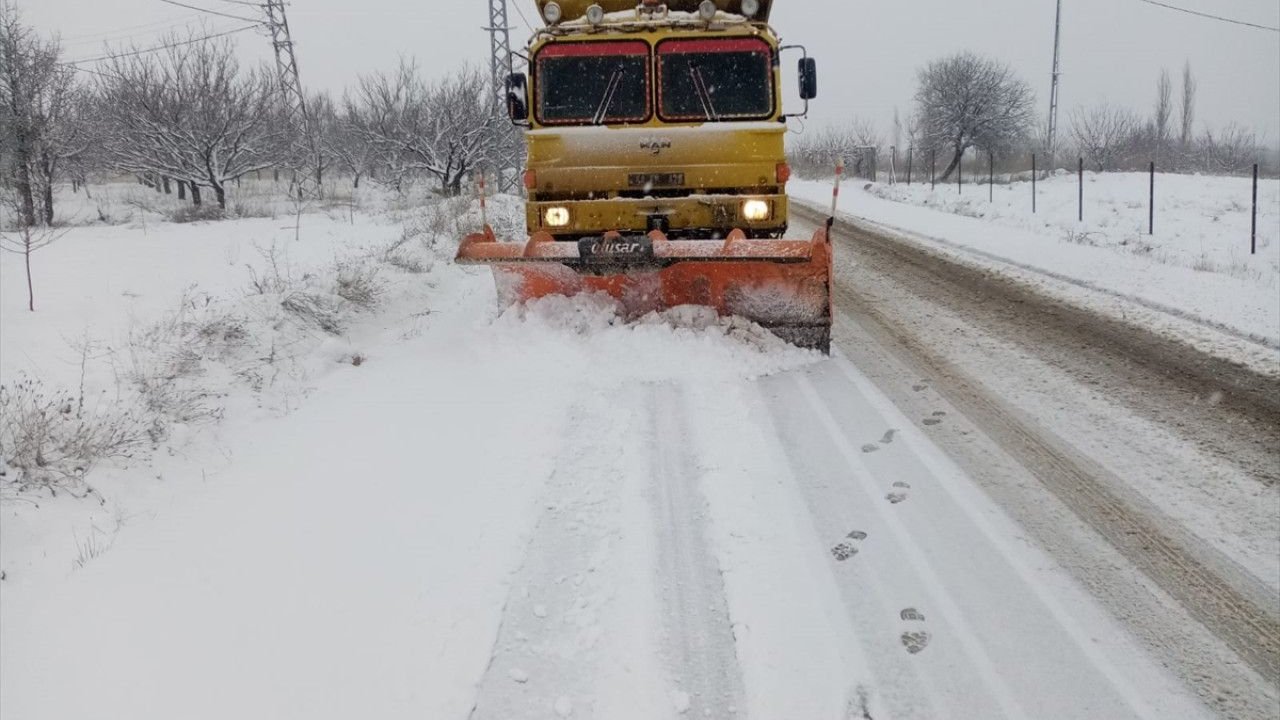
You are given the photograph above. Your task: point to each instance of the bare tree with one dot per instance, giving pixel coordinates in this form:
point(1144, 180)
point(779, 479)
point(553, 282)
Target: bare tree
point(1188, 117)
point(63, 138)
point(34, 96)
point(25, 239)
point(897, 128)
point(1161, 118)
point(324, 129)
point(967, 100)
point(444, 130)
point(349, 148)
point(190, 114)
point(1232, 150)
point(816, 153)
point(1102, 133)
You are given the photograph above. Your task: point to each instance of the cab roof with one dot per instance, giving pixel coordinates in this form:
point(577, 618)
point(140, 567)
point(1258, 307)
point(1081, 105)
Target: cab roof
point(574, 9)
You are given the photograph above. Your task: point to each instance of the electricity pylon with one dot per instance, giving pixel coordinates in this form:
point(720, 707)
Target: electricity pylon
point(305, 152)
point(509, 151)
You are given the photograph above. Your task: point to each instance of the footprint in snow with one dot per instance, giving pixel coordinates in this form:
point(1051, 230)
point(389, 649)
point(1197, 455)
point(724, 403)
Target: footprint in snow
point(920, 387)
point(899, 493)
point(914, 640)
point(885, 439)
point(936, 419)
point(848, 547)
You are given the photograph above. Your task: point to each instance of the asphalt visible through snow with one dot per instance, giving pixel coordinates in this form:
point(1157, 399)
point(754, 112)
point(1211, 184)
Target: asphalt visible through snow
point(1098, 439)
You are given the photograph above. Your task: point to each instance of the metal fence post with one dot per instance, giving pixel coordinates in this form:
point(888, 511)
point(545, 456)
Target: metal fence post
point(1151, 206)
point(1253, 232)
point(960, 174)
point(1080, 174)
point(991, 176)
point(1033, 183)
point(933, 169)
point(910, 153)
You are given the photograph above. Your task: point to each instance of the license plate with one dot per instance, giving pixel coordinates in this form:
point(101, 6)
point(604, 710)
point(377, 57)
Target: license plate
point(623, 249)
point(650, 180)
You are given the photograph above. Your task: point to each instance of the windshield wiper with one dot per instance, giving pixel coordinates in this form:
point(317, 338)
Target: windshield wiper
point(603, 109)
point(704, 95)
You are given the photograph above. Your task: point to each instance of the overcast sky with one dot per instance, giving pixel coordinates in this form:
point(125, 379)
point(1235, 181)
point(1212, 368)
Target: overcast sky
point(868, 51)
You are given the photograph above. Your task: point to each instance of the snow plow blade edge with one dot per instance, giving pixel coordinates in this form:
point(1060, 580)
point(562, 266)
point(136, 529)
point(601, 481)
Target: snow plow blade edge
point(784, 285)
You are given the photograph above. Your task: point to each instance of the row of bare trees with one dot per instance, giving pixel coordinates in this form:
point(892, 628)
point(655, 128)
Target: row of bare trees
point(1113, 137)
point(189, 117)
point(40, 131)
point(969, 102)
point(963, 101)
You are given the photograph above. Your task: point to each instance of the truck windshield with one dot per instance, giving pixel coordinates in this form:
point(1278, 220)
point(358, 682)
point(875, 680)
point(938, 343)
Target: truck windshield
point(593, 83)
point(711, 80)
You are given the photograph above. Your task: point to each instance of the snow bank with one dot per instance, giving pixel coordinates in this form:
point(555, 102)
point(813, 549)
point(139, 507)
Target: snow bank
point(254, 562)
point(1197, 265)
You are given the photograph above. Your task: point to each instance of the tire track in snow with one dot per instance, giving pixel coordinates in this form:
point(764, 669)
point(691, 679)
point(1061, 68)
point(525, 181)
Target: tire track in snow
point(915, 557)
point(575, 639)
point(798, 650)
point(698, 638)
point(947, 476)
point(1250, 630)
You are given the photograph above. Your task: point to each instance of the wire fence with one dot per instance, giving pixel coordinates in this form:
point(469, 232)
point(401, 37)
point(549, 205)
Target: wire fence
point(986, 169)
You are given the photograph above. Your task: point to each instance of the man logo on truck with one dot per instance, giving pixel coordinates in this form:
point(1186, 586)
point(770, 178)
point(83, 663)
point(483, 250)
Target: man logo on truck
point(655, 145)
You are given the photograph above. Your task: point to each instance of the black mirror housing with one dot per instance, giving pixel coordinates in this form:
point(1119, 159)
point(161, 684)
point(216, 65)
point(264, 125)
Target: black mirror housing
point(517, 97)
point(808, 78)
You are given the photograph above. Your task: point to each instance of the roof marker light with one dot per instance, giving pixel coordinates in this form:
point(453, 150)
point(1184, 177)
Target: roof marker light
point(750, 7)
point(707, 9)
point(595, 14)
point(551, 13)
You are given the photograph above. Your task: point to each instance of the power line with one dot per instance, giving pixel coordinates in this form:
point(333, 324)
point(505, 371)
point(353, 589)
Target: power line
point(1211, 17)
point(92, 37)
point(211, 12)
point(158, 48)
point(523, 18)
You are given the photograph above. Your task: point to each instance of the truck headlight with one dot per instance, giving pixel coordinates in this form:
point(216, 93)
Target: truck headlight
point(755, 210)
point(556, 216)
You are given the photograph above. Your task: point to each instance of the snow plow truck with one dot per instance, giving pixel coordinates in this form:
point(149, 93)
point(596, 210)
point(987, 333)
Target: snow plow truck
point(656, 171)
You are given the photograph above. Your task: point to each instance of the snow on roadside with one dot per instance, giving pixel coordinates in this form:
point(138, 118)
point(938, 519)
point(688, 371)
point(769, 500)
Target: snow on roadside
point(1196, 270)
point(335, 536)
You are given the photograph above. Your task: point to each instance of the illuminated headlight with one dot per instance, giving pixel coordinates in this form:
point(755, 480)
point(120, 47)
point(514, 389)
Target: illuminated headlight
point(750, 7)
point(556, 216)
point(755, 210)
point(595, 14)
point(707, 9)
point(551, 12)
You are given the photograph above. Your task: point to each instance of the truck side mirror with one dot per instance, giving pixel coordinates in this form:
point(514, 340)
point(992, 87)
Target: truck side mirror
point(808, 78)
point(517, 97)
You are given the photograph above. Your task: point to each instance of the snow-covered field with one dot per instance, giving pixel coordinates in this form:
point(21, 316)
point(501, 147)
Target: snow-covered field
point(1197, 265)
point(360, 489)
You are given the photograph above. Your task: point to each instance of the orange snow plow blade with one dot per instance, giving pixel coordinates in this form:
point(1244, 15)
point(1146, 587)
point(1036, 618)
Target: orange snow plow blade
point(784, 285)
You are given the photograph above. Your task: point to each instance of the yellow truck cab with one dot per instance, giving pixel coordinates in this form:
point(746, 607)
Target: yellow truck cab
point(644, 115)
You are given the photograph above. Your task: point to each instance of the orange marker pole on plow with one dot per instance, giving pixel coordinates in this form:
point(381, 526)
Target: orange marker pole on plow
point(484, 216)
point(835, 194)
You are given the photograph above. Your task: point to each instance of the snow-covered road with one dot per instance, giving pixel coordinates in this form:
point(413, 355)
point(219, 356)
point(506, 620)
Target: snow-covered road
point(546, 537)
point(787, 547)
point(552, 514)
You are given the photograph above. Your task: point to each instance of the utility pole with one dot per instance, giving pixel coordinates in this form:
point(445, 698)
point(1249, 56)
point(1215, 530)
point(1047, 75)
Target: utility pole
point(1053, 92)
point(509, 158)
point(305, 153)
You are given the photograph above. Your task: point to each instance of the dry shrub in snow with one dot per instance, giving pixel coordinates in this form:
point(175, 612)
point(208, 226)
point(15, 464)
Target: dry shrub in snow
point(357, 283)
point(168, 360)
point(49, 438)
point(321, 310)
point(195, 213)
